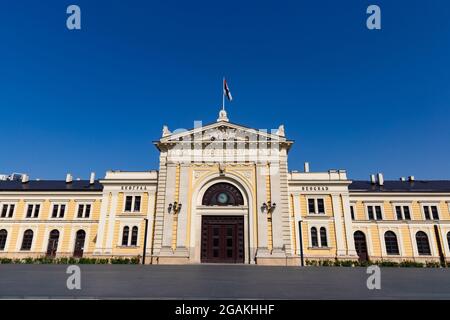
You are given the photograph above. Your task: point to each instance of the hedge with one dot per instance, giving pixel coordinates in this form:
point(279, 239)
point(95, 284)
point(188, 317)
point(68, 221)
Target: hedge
point(71, 260)
point(352, 263)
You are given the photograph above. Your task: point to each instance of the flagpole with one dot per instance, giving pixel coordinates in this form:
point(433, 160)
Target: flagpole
point(223, 94)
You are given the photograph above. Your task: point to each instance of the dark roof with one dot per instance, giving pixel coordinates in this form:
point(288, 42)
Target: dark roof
point(402, 186)
point(50, 185)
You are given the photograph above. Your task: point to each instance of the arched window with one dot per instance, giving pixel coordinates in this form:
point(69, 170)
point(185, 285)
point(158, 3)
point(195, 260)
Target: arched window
point(134, 236)
point(361, 245)
point(3, 236)
point(423, 245)
point(323, 237)
point(314, 239)
point(27, 240)
point(52, 245)
point(222, 194)
point(390, 240)
point(125, 234)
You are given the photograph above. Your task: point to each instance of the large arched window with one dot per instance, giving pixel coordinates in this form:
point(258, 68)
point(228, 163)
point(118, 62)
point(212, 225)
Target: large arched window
point(52, 246)
point(390, 240)
point(361, 245)
point(134, 236)
point(314, 238)
point(423, 245)
point(27, 240)
point(125, 234)
point(222, 194)
point(323, 237)
point(3, 237)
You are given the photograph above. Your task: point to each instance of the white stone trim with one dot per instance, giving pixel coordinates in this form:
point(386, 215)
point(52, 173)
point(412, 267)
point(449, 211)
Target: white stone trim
point(318, 225)
point(130, 223)
point(402, 204)
point(397, 231)
point(8, 229)
point(374, 204)
point(428, 229)
point(48, 229)
point(8, 203)
point(316, 206)
point(20, 234)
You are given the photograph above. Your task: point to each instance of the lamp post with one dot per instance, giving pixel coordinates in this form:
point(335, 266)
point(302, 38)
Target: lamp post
point(174, 207)
point(145, 240)
point(269, 207)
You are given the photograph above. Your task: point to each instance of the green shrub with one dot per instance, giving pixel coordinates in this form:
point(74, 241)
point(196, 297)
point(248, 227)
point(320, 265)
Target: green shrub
point(348, 263)
point(432, 264)
point(6, 260)
point(135, 260)
point(102, 261)
point(326, 263)
point(387, 264)
point(28, 260)
point(411, 264)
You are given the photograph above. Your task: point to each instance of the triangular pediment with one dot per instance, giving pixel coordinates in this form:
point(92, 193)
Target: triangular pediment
point(224, 131)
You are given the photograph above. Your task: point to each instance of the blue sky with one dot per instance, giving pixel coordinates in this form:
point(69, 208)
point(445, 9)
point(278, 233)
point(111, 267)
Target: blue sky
point(351, 98)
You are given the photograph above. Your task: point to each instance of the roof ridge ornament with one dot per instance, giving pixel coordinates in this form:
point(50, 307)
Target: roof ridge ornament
point(223, 116)
point(166, 132)
point(280, 131)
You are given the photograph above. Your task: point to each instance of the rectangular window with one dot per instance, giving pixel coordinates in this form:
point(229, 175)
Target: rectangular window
point(37, 208)
point(87, 213)
point(431, 212)
point(316, 206)
point(30, 210)
point(58, 210)
point(403, 212)
point(84, 211)
point(132, 204)
point(370, 212)
point(378, 212)
point(311, 206)
point(4, 210)
point(55, 211)
point(398, 211)
point(406, 213)
point(426, 211)
point(7, 210)
point(434, 211)
point(320, 206)
point(352, 212)
point(374, 213)
point(80, 211)
point(33, 210)
point(137, 204)
point(128, 203)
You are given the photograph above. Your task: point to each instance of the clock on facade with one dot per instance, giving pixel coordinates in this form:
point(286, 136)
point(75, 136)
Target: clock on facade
point(222, 198)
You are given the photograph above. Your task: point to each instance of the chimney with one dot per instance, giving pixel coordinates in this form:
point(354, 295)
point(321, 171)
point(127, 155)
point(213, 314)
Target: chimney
point(380, 179)
point(25, 178)
point(306, 166)
point(372, 179)
point(92, 178)
point(411, 178)
point(69, 178)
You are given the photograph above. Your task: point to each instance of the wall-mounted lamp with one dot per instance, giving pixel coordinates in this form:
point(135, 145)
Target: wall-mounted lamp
point(269, 207)
point(174, 207)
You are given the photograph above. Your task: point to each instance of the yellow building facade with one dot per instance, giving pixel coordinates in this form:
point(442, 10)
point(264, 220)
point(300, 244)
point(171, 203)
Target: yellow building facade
point(223, 194)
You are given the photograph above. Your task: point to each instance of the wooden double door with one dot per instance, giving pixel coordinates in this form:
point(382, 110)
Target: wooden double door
point(222, 239)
